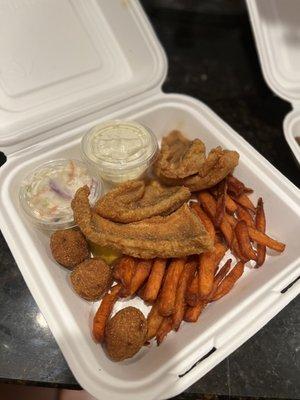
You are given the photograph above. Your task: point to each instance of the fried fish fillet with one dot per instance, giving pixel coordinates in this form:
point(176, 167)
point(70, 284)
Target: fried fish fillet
point(176, 235)
point(210, 171)
point(180, 157)
point(134, 200)
point(218, 165)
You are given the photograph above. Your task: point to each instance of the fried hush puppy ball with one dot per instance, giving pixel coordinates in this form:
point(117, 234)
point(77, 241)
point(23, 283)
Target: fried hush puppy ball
point(91, 279)
point(125, 333)
point(69, 247)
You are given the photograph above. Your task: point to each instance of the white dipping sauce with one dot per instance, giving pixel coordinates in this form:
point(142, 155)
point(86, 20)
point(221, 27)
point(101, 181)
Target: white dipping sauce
point(119, 150)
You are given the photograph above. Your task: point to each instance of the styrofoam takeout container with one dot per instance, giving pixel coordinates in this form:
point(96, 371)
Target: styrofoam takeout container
point(64, 68)
point(275, 26)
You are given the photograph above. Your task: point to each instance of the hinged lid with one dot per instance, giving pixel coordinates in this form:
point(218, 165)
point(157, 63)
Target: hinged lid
point(63, 59)
point(276, 28)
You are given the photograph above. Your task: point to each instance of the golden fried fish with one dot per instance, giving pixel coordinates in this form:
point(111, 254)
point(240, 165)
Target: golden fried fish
point(210, 171)
point(176, 235)
point(179, 157)
point(134, 201)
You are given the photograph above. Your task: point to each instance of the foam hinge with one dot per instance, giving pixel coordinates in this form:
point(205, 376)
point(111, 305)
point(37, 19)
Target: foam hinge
point(206, 355)
point(288, 287)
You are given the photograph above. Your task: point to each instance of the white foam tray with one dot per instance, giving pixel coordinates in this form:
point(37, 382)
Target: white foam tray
point(38, 123)
point(157, 373)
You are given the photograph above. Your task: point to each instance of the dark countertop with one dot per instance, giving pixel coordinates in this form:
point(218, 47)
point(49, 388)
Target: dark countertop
point(212, 57)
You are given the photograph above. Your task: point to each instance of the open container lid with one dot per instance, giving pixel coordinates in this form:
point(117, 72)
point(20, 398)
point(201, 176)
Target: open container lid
point(275, 25)
point(64, 59)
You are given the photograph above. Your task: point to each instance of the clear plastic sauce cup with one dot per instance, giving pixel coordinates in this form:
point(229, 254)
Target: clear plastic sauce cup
point(119, 150)
point(46, 193)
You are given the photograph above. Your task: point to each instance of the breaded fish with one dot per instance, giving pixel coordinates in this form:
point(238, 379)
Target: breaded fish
point(218, 165)
point(203, 174)
point(134, 201)
point(176, 235)
point(180, 157)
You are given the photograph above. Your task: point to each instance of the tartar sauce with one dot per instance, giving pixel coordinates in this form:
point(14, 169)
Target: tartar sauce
point(47, 192)
point(119, 150)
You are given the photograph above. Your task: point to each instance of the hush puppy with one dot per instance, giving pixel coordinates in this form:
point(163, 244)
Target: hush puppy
point(91, 279)
point(69, 247)
point(125, 333)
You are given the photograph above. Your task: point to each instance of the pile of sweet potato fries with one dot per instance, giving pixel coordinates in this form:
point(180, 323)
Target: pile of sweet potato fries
point(179, 289)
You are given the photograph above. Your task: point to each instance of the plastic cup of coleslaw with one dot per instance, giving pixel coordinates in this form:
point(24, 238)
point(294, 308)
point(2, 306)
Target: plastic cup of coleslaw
point(46, 193)
point(119, 150)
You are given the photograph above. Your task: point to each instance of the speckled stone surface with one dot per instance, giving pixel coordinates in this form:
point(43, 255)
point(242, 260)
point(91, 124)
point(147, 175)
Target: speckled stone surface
point(212, 57)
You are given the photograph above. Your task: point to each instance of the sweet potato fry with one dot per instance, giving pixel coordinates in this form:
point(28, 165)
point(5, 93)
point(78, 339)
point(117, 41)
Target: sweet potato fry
point(168, 292)
point(220, 208)
point(192, 296)
point(220, 250)
point(230, 205)
point(228, 282)
point(242, 235)
point(219, 277)
point(185, 277)
point(235, 186)
point(154, 282)
point(117, 272)
point(226, 229)
point(206, 273)
point(140, 292)
point(164, 328)
point(208, 204)
point(192, 313)
point(244, 215)
point(118, 267)
point(124, 270)
point(235, 249)
point(265, 240)
point(261, 255)
point(204, 218)
point(154, 320)
point(142, 271)
point(219, 238)
point(260, 223)
point(104, 312)
point(244, 201)
point(128, 272)
point(231, 219)
point(222, 272)
point(260, 218)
